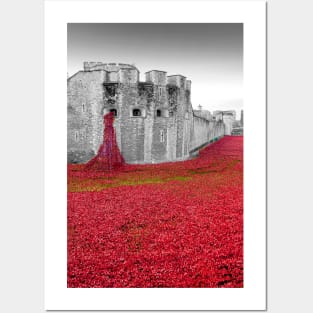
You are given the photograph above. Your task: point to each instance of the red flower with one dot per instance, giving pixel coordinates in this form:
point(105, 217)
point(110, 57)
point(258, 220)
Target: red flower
point(162, 225)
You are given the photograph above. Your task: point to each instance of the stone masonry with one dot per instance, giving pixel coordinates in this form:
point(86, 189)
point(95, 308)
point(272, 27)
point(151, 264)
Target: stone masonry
point(154, 120)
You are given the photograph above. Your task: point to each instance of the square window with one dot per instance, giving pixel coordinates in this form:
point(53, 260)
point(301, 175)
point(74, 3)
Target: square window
point(136, 112)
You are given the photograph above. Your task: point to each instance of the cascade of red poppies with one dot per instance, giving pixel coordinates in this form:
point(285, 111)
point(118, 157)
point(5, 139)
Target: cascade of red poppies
point(170, 225)
point(109, 156)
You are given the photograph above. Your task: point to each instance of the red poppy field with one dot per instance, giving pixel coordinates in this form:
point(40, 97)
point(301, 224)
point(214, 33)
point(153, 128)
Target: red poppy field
point(163, 225)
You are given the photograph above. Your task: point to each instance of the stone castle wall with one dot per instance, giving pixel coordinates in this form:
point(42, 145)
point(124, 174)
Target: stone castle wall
point(154, 119)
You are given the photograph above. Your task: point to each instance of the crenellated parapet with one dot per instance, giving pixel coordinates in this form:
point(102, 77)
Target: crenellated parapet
point(109, 67)
point(123, 73)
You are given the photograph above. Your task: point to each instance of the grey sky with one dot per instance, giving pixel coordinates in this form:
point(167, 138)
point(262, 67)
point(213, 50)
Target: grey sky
point(210, 55)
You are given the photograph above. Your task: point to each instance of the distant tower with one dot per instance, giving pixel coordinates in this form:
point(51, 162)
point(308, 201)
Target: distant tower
point(241, 118)
point(200, 107)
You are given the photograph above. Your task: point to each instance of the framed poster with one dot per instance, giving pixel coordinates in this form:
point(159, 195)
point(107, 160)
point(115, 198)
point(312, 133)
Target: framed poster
point(155, 155)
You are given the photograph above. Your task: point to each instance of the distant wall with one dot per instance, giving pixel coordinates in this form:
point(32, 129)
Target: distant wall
point(204, 131)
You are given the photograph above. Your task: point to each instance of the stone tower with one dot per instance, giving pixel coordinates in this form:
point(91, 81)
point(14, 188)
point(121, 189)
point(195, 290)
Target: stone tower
point(153, 119)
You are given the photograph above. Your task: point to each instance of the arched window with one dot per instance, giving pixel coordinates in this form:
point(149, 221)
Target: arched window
point(114, 112)
point(136, 112)
point(84, 107)
point(158, 113)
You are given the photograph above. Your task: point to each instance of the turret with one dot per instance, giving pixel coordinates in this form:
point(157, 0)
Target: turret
point(128, 75)
point(156, 77)
point(177, 80)
point(188, 84)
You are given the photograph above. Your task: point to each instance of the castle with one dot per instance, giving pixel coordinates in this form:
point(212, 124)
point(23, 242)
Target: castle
point(154, 120)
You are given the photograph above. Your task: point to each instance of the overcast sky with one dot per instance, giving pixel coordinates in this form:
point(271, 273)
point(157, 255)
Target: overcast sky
point(210, 55)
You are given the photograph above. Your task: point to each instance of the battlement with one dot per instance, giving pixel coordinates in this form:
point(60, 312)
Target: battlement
point(109, 67)
point(127, 73)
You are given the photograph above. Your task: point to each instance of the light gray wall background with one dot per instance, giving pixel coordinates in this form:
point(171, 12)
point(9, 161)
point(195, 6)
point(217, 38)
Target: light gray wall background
point(290, 209)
